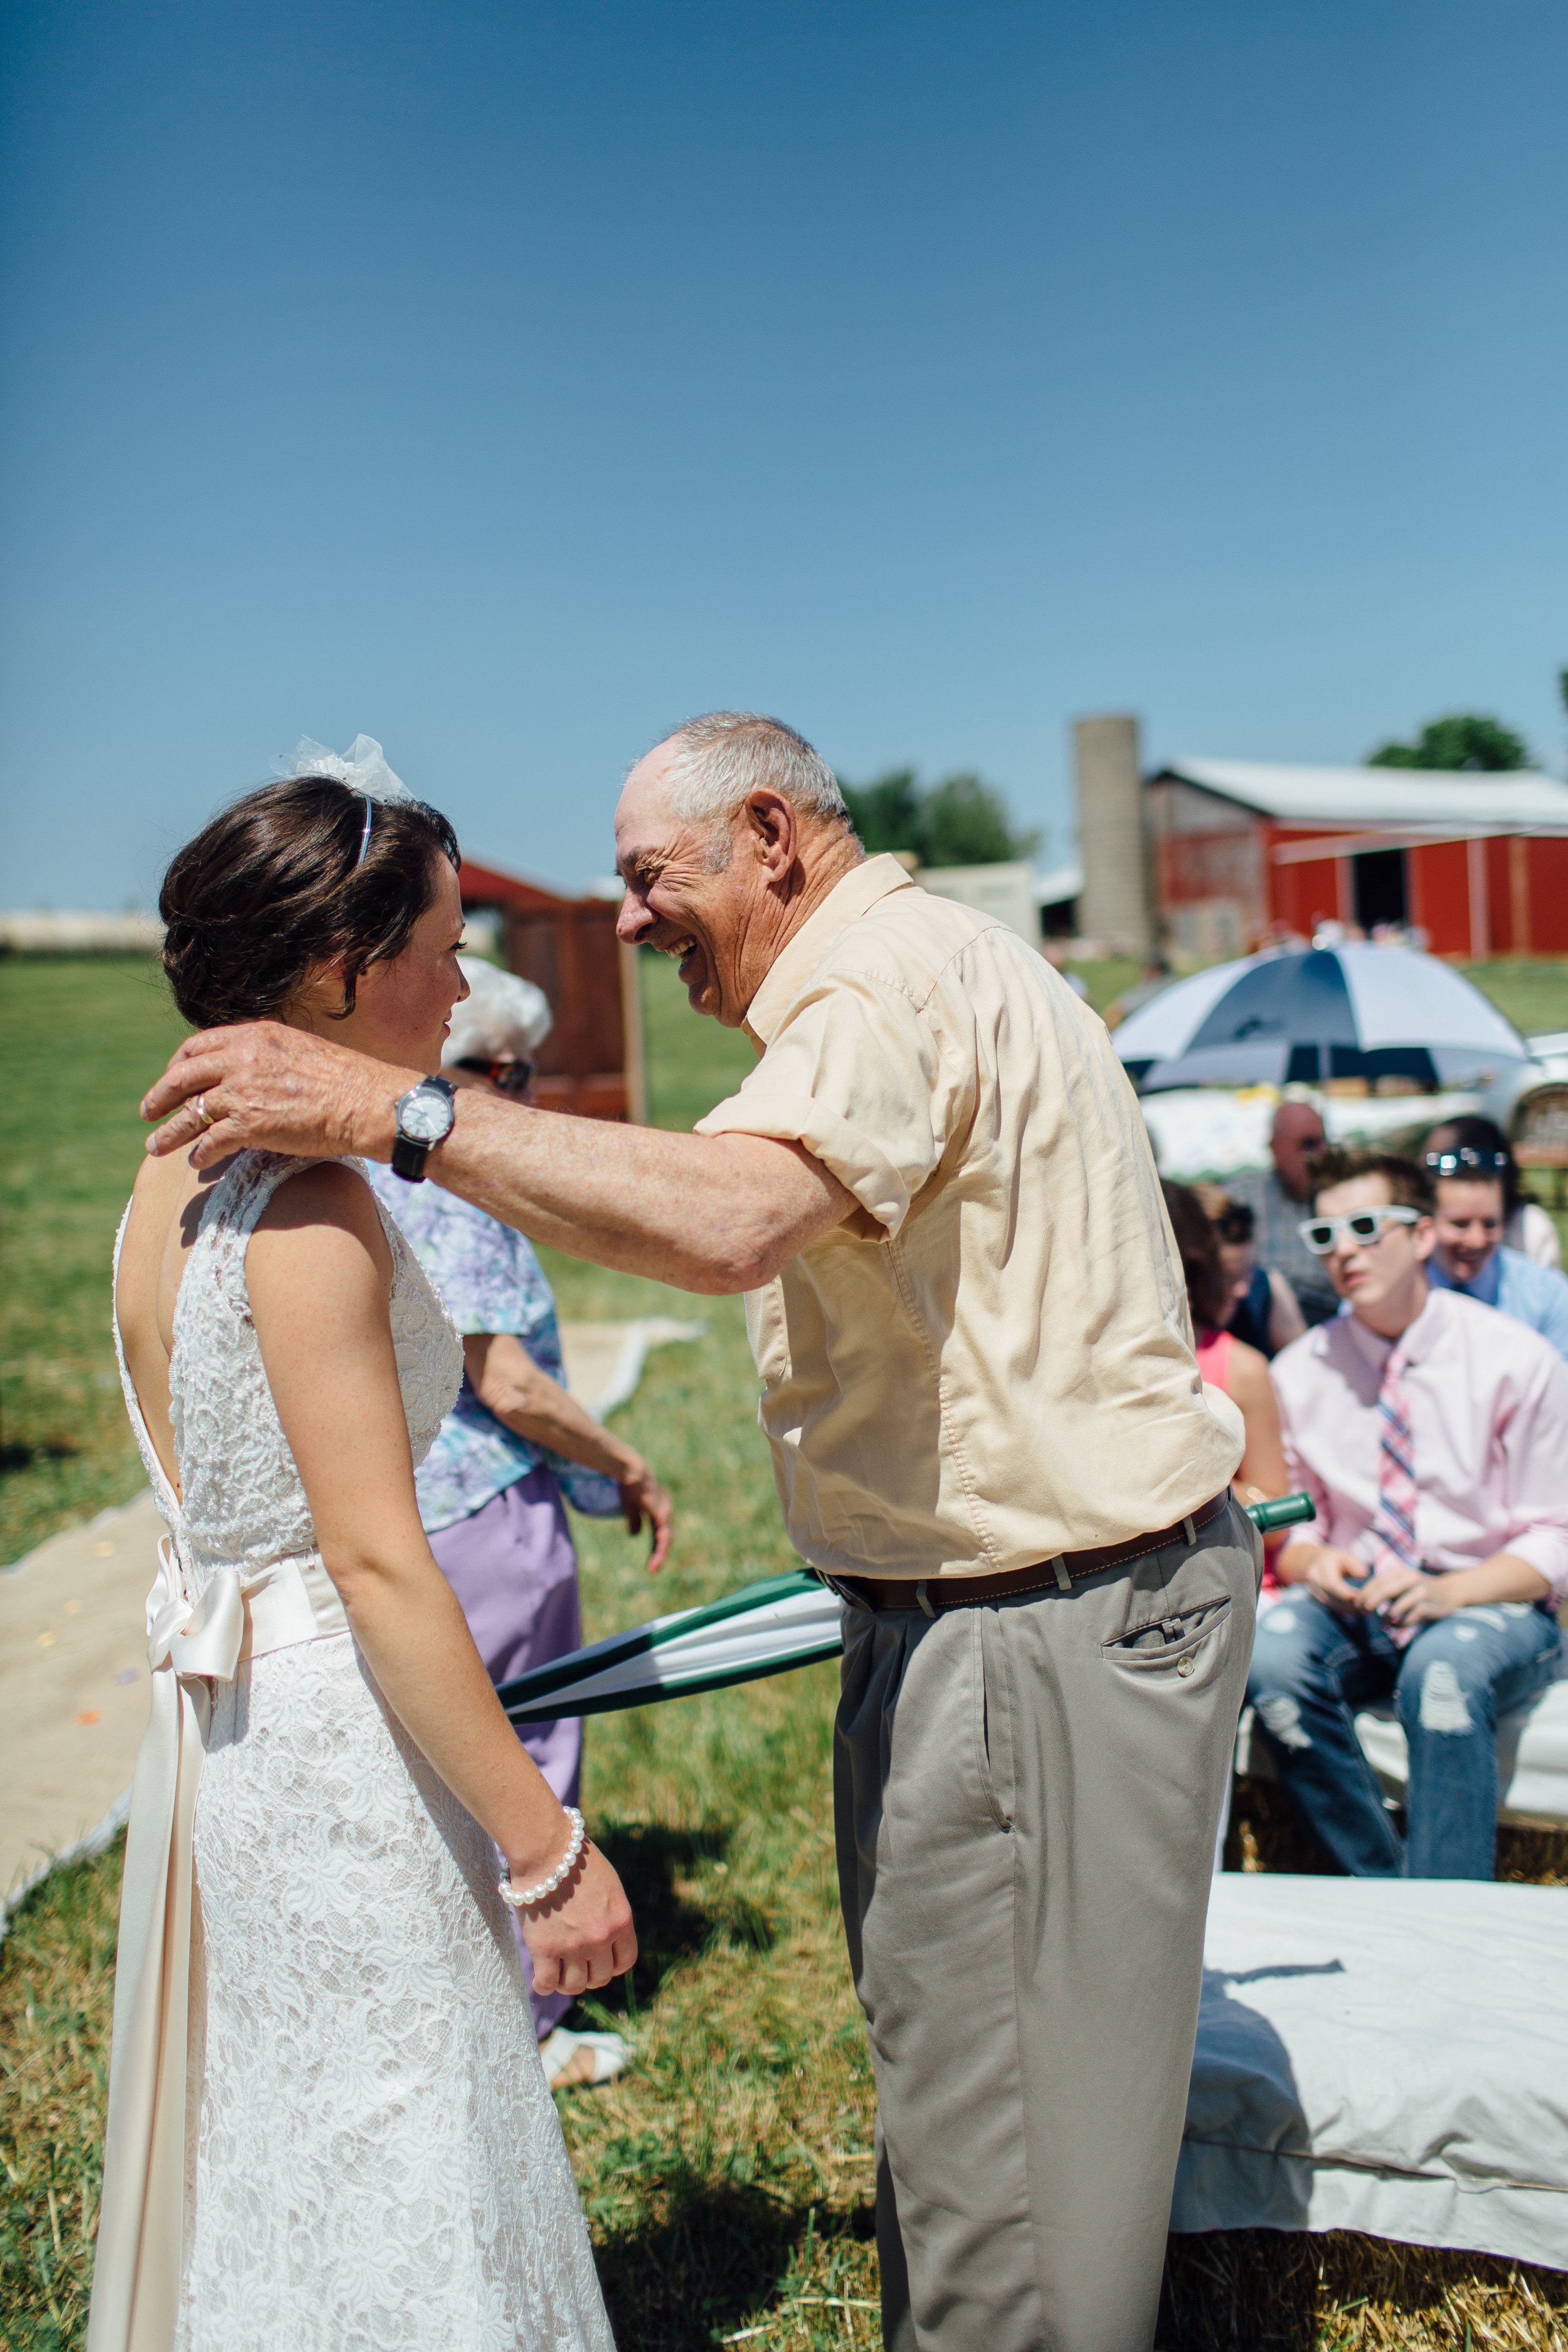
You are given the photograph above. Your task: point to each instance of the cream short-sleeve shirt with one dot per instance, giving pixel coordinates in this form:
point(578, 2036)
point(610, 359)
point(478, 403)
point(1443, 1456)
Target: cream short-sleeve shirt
point(990, 1361)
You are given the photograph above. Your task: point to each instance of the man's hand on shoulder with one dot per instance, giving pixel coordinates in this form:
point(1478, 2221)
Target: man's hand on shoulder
point(263, 1087)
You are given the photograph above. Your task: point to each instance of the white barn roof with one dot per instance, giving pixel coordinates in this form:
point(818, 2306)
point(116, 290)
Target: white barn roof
point(1417, 798)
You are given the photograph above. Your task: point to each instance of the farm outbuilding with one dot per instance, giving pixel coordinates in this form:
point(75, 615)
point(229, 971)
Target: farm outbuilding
point(592, 1061)
point(1245, 851)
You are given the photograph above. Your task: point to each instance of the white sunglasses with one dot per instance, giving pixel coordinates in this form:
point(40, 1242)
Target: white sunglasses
point(1364, 1225)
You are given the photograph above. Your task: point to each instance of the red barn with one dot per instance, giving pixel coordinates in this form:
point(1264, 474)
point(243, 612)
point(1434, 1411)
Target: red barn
point(1244, 852)
point(592, 1061)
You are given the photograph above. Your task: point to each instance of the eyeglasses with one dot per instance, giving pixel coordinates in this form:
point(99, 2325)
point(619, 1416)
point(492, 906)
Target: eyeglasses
point(512, 1078)
point(1363, 1225)
point(1447, 1163)
point(1236, 1224)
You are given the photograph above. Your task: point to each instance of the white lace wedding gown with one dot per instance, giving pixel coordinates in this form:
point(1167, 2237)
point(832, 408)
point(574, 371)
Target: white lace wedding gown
point(372, 2155)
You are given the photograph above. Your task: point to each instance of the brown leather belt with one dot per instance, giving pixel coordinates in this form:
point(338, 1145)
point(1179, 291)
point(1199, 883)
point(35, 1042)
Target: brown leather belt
point(934, 1594)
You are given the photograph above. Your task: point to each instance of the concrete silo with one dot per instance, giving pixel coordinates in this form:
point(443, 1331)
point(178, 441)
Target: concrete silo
point(1115, 903)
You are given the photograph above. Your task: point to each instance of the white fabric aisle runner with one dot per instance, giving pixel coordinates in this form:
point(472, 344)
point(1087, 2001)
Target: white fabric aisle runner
point(1383, 2055)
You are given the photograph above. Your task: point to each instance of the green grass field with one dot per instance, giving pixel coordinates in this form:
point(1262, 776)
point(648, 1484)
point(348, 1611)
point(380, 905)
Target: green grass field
point(727, 2176)
point(1533, 995)
point(692, 1064)
point(79, 1041)
point(82, 1039)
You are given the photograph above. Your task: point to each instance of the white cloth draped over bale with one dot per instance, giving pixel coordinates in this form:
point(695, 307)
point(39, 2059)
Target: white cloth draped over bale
point(1388, 2055)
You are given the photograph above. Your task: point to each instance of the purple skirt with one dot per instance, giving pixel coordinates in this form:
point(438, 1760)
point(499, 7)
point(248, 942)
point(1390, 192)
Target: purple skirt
point(514, 1570)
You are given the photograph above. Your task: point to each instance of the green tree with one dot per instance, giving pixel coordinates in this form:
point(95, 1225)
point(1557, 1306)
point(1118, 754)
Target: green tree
point(961, 821)
point(969, 824)
point(886, 813)
point(1464, 741)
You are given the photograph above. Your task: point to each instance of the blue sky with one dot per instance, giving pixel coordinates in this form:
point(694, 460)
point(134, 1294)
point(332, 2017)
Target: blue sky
point(509, 381)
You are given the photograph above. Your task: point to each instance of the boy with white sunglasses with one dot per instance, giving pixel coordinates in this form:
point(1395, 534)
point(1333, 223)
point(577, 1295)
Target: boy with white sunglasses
point(1432, 1433)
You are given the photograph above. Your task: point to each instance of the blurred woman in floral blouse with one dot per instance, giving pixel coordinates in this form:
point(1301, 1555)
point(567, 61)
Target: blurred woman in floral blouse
point(490, 1488)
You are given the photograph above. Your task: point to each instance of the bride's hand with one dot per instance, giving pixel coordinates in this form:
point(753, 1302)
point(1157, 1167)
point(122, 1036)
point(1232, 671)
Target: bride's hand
point(584, 1935)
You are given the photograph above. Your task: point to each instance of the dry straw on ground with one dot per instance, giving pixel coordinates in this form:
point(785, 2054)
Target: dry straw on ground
point(1275, 2291)
point(1263, 1836)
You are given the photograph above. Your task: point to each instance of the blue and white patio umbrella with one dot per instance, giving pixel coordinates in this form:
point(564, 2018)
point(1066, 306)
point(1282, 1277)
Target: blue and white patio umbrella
point(765, 1629)
point(1300, 1016)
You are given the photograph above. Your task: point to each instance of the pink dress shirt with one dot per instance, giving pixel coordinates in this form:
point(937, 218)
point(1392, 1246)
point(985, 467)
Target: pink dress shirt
point(1488, 1416)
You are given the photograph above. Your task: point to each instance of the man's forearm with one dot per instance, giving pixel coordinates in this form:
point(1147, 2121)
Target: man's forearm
point(714, 1213)
point(1504, 1577)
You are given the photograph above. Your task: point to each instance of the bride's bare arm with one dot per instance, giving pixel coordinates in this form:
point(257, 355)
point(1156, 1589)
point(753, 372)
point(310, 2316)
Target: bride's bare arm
point(318, 1273)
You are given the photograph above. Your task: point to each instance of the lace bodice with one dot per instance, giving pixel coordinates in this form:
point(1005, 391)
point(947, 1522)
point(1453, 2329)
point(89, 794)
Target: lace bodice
point(242, 1503)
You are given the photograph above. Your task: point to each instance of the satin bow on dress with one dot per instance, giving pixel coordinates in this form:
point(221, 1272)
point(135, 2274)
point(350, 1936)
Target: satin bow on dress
point(191, 1645)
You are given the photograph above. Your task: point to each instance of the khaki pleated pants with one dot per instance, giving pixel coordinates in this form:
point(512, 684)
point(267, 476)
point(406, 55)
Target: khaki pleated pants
point(1027, 1795)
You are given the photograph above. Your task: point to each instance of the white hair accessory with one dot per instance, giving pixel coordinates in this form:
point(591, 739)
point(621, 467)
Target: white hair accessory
point(502, 1019)
point(362, 767)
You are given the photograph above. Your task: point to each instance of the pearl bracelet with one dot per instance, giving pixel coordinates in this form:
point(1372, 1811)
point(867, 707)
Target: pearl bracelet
point(521, 1898)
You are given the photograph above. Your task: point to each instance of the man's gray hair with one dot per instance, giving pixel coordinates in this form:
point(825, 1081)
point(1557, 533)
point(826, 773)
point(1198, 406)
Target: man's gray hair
point(727, 754)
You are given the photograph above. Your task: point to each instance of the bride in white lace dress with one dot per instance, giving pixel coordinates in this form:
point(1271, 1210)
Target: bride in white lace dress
point(329, 2126)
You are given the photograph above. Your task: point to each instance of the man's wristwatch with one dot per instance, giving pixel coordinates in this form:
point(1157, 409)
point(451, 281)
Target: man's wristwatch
point(425, 1116)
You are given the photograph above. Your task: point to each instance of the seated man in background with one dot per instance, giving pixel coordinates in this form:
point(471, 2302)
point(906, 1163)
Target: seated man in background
point(1279, 1197)
point(1432, 1433)
point(1471, 1256)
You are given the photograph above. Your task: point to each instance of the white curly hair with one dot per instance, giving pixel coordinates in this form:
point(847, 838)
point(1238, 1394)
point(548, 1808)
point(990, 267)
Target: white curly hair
point(502, 1018)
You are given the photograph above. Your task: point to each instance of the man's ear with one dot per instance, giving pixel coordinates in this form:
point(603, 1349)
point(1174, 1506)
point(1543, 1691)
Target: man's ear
point(1425, 1236)
point(775, 830)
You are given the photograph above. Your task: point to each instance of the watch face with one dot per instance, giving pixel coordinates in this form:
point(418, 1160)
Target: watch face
point(424, 1117)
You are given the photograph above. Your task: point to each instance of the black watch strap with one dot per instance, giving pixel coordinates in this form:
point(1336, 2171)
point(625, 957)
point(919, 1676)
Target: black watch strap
point(408, 1160)
point(409, 1153)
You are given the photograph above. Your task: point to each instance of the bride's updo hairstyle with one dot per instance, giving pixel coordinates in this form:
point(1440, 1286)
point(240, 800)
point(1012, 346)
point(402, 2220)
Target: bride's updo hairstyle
point(277, 887)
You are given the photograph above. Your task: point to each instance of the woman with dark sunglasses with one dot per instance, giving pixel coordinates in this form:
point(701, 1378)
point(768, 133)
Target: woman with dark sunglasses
point(516, 1444)
point(1263, 1312)
point(1224, 1361)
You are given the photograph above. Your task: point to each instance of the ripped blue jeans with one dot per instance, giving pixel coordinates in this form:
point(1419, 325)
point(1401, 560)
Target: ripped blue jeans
point(1312, 1668)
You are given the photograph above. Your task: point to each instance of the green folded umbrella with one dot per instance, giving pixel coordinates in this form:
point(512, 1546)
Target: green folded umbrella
point(765, 1629)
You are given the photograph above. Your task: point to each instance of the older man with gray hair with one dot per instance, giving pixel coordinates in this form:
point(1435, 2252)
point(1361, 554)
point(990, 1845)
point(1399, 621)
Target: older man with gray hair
point(988, 1435)
point(1279, 1197)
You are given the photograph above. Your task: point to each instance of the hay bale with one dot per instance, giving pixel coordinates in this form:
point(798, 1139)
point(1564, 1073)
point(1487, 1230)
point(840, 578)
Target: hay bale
point(1280, 2291)
point(1265, 1834)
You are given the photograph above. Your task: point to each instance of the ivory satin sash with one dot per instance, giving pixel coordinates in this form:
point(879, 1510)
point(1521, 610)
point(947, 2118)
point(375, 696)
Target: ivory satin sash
point(190, 1646)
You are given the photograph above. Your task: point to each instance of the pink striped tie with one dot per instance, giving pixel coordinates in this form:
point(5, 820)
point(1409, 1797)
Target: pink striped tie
point(1394, 1524)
